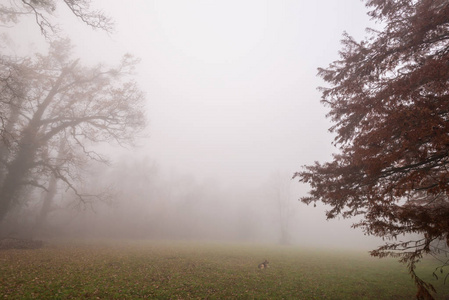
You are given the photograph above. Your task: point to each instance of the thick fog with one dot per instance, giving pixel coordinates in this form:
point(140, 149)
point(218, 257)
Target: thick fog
point(233, 110)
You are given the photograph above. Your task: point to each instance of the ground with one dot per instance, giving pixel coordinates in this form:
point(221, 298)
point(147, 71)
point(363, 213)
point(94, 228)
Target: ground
point(183, 270)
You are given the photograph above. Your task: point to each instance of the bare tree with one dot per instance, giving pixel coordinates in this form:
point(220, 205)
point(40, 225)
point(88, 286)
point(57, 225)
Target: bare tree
point(60, 100)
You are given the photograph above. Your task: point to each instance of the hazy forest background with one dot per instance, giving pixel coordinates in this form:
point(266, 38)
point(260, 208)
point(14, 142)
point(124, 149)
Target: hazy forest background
point(211, 181)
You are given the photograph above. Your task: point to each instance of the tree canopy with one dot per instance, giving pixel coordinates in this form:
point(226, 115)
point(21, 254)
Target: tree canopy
point(388, 97)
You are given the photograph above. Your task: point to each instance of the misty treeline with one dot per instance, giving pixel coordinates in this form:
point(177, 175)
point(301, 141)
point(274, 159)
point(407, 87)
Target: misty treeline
point(147, 201)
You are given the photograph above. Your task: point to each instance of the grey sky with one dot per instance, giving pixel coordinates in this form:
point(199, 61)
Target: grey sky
point(231, 85)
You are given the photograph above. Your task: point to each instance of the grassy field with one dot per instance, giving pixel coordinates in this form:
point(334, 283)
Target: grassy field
point(183, 270)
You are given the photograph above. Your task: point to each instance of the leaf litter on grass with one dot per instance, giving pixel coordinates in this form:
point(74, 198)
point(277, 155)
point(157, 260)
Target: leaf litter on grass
point(197, 270)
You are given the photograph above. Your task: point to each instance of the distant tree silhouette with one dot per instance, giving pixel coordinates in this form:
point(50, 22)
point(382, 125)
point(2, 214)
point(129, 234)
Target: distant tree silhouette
point(389, 101)
point(281, 188)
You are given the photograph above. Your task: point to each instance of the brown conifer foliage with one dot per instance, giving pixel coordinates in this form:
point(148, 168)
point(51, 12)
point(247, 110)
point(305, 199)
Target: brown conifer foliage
point(389, 102)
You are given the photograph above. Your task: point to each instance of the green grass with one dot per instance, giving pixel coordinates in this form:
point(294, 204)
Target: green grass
point(183, 270)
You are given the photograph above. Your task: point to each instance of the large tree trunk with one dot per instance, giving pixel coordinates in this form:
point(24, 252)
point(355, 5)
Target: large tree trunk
point(51, 193)
point(23, 162)
point(14, 179)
